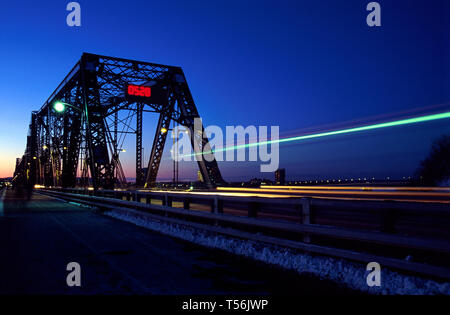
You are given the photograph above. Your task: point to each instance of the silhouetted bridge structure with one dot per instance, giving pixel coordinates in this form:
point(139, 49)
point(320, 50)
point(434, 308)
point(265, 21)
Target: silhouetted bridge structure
point(85, 121)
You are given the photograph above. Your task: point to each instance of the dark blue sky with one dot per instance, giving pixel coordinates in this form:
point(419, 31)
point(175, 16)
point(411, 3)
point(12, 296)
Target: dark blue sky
point(296, 64)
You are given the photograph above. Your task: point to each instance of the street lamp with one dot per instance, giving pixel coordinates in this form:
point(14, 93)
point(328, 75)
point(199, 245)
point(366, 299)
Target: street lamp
point(60, 107)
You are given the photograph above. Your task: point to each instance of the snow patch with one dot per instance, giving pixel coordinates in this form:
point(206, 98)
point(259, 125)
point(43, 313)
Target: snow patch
point(338, 270)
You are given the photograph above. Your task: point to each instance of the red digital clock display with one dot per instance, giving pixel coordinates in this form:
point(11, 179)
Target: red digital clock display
point(139, 90)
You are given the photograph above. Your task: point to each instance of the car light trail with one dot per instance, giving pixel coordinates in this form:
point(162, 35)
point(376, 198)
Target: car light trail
point(339, 192)
point(261, 193)
point(228, 194)
point(402, 122)
point(365, 188)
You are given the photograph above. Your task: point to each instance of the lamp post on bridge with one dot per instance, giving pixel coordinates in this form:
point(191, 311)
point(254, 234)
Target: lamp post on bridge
point(60, 107)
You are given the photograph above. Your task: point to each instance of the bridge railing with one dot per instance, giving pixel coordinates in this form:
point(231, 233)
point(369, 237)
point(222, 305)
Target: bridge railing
point(420, 218)
point(360, 230)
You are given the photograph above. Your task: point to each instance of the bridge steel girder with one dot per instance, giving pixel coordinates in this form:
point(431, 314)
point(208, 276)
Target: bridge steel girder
point(48, 174)
point(32, 155)
point(95, 88)
point(102, 171)
point(72, 140)
point(200, 143)
point(158, 143)
point(139, 175)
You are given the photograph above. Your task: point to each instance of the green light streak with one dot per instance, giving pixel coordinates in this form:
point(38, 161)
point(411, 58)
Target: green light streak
point(337, 132)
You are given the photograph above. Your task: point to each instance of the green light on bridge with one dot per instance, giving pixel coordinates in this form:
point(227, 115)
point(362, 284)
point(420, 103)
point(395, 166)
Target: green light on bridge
point(59, 107)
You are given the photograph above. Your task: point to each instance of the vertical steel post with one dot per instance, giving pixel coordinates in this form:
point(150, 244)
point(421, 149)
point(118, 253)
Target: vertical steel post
point(139, 180)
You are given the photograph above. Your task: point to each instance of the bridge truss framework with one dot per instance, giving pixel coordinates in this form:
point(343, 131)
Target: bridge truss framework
point(88, 134)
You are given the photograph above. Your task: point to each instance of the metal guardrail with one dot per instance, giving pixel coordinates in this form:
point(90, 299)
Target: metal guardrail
point(395, 217)
point(301, 231)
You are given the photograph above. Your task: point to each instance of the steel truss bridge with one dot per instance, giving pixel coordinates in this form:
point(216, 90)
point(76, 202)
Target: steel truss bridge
point(81, 146)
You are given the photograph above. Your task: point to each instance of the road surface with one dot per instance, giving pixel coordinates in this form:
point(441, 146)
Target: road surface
point(40, 235)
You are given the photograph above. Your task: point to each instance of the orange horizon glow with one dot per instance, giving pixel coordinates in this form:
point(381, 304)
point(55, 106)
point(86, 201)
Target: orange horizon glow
point(7, 166)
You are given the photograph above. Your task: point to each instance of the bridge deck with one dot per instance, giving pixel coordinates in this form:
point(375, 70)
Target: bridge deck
point(40, 235)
